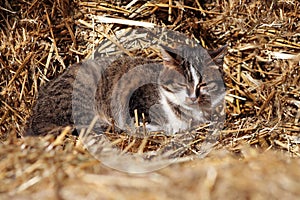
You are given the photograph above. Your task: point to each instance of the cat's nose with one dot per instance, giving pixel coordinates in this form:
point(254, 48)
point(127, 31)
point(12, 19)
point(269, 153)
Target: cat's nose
point(193, 99)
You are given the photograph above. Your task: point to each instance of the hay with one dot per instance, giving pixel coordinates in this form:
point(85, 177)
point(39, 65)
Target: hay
point(39, 39)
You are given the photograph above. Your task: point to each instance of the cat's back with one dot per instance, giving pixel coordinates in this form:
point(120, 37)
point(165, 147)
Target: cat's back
point(53, 108)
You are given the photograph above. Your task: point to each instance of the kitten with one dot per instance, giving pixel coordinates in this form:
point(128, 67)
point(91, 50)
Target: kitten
point(178, 98)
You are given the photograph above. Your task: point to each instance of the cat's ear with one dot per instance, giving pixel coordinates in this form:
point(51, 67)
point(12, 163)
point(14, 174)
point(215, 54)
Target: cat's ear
point(218, 55)
point(170, 58)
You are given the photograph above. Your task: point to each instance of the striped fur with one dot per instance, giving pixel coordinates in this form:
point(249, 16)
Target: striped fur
point(172, 94)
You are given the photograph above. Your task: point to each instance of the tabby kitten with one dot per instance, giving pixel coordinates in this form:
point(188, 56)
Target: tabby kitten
point(171, 95)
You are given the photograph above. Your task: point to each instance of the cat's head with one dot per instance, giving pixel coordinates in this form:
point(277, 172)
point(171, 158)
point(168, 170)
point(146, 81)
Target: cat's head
point(182, 79)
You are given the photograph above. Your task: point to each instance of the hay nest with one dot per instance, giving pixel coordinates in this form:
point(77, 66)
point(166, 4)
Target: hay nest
point(40, 39)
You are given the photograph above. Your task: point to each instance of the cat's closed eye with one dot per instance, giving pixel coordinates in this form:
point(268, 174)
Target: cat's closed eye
point(174, 85)
point(211, 87)
point(182, 84)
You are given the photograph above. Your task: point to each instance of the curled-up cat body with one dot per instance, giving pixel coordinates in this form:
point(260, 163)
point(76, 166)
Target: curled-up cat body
point(169, 95)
